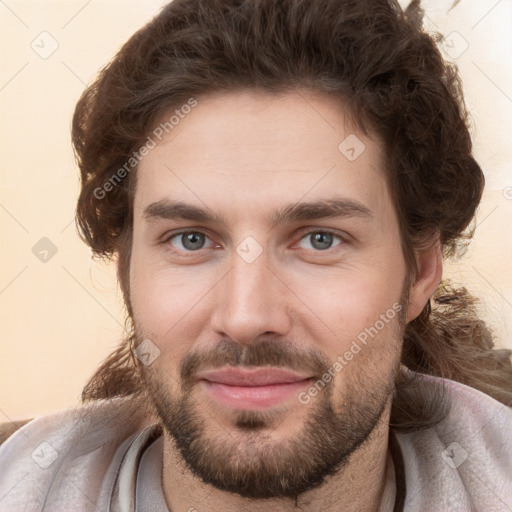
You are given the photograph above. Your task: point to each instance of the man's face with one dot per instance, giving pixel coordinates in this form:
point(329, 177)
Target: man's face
point(263, 285)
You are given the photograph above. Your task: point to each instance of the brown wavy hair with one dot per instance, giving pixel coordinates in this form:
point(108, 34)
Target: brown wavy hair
point(390, 75)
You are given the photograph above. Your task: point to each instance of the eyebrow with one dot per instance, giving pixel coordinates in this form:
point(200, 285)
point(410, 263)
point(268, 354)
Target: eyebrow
point(326, 208)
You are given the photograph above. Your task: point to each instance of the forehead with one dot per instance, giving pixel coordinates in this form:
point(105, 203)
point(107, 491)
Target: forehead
point(246, 148)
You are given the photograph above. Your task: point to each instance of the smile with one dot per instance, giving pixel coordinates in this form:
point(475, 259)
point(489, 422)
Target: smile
point(256, 390)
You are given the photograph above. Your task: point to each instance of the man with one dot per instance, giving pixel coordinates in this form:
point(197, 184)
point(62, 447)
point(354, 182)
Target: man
point(279, 181)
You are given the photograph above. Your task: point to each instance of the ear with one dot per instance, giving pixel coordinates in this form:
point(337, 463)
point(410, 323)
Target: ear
point(430, 273)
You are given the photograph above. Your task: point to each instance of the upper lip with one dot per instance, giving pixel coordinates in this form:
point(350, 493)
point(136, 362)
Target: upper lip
point(257, 377)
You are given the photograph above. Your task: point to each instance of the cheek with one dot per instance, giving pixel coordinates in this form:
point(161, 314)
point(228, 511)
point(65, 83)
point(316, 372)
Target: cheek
point(351, 300)
point(365, 361)
point(162, 297)
point(168, 303)
point(362, 342)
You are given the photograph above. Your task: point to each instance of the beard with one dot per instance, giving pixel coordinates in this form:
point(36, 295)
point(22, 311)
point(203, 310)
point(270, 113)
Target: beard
point(246, 460)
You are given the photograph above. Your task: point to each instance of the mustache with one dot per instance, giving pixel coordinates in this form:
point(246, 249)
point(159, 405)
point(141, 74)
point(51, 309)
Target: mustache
point(283, 354)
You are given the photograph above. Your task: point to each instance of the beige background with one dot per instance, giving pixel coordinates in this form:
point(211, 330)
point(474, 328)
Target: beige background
point(61, 317)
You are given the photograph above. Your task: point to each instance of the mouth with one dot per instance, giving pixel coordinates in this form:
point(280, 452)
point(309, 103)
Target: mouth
point(255, 389)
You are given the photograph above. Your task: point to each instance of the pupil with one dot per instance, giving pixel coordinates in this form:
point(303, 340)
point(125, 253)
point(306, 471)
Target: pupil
point(193, 241)
point(322, 240)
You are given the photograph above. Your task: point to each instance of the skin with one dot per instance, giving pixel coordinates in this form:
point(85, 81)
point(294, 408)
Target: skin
point(242, 155)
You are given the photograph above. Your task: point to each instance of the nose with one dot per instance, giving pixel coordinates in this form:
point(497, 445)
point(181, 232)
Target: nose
point(251, 300)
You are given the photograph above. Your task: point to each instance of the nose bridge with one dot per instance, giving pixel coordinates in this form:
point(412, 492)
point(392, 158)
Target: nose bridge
point(250, 299)
point(248, 279)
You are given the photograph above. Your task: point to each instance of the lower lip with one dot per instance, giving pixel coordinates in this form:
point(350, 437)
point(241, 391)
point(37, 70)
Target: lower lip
point(253, 397)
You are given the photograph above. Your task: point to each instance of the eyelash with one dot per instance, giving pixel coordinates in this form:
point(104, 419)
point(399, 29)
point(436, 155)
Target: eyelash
point(304, 234)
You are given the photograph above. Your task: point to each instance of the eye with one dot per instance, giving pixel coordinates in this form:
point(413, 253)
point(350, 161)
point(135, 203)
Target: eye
point(187, 241)
point(319, 240)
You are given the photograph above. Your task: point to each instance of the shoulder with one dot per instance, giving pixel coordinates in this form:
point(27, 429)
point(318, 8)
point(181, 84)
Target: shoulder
point(465, 461)
point(67, 457)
